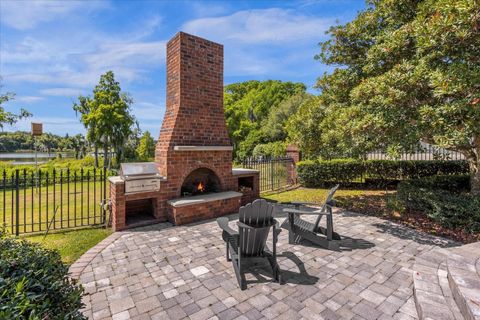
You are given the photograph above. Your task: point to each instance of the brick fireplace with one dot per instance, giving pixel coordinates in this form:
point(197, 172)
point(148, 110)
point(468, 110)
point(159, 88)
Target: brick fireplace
point(193, 153)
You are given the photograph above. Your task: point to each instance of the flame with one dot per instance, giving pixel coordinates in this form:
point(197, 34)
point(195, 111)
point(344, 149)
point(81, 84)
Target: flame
point(200, 187)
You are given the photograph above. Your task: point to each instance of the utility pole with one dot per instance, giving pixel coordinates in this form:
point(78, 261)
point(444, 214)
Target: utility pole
point(37, 130)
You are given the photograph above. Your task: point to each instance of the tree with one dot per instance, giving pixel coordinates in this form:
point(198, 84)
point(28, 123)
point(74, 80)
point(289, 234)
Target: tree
point(47, 142)
point(247, 107)
point(410, 72)
point(107, 116)
point(78, 144)
point(9, 117)
point(146, 147)
point(83, 107)
point(131, 145)
point(275, 124)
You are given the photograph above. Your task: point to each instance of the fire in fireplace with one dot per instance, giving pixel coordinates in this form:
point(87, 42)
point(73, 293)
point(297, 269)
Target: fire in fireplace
point(200, 181)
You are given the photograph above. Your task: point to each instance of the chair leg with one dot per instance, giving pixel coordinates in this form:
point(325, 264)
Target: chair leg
point(275, 266)
point(291, 237)
point(228, 252)
point(329, 227)
point(291, 231)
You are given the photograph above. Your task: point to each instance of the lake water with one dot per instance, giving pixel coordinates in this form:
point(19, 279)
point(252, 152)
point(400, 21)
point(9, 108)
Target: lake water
point(29, 157)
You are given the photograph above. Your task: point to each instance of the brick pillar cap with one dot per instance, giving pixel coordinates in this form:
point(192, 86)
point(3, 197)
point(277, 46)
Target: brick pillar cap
point(292, 148)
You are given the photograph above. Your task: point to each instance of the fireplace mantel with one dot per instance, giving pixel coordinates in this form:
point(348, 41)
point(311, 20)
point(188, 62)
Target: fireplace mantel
point(203, 148)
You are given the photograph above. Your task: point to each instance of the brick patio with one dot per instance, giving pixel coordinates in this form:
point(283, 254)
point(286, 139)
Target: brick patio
point(167, 272)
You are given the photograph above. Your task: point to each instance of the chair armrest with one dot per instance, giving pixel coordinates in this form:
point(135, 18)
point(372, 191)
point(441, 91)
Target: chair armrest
point(246, 226)
point(332, 203)
point(313, 213)
point(223, 224)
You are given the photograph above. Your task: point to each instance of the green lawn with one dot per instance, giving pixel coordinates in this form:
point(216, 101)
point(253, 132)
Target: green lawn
point(71, 244)
point(77, 203)
point(318, 195)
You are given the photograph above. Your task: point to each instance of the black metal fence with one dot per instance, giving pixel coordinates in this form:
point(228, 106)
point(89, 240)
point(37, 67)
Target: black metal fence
point(36, 201)
point(423, 152)
point(275, 173)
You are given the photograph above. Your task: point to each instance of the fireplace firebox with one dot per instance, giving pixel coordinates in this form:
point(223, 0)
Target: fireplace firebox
point(200, 181)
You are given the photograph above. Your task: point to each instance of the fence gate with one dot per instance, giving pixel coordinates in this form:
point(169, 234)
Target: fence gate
point(275, 173)
point(34, 201)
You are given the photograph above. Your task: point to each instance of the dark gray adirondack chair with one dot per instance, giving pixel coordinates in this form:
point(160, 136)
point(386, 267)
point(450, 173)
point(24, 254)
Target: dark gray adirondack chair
point(250, 241)
point(299, 228)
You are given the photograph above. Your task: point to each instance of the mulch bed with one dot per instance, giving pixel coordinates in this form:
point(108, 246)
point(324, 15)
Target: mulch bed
point(377, 205)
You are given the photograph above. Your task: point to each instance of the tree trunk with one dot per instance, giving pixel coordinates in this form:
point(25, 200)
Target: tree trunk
point(96, 156)
point(105, 155)
point(475, 177)
point(119, 155)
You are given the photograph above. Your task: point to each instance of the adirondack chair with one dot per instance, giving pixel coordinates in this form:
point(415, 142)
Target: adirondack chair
point(299, 228)
point(250, 241)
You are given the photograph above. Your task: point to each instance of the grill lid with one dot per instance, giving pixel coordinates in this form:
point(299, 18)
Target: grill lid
point(139, 170)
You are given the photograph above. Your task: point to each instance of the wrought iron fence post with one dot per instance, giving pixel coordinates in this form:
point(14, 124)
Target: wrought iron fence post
point(104, 212)
point(272, 176)
point(17, 202)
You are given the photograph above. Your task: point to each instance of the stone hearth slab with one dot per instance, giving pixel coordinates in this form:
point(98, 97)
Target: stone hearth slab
point(203, 198)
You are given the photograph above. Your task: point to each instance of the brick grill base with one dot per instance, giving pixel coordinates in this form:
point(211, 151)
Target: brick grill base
point(198, 212)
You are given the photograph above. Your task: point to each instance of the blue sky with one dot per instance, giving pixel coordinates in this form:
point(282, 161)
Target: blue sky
point(51, 52)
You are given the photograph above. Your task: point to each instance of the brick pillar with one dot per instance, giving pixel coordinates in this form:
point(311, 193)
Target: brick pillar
point(294, 153)
point(117, 198)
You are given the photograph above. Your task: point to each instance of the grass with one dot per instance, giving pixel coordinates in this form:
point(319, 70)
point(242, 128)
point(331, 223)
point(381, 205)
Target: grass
point(318, 195)
point(78, 205)
point(71, 244)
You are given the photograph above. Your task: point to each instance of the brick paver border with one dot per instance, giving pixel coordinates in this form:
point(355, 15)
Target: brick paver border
point(76, 269)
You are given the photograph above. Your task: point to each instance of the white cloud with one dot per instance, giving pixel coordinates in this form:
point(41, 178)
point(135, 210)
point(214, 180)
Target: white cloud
point(258, 42)
point(62, 92)
point(23, 15)
point(28, 99)
point(260, 26)
point(148, 111)
point(126, 54)
point(80, 60)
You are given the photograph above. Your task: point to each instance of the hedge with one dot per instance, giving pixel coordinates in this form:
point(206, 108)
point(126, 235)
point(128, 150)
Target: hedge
point(34, 283)
point(444, 199)
point(377, 172)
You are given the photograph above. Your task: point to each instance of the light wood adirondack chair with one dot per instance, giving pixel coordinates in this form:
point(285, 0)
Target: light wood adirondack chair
point(299, 228)
point(250, 241)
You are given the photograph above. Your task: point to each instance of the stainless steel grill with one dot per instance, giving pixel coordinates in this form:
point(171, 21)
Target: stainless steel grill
point(140, 177)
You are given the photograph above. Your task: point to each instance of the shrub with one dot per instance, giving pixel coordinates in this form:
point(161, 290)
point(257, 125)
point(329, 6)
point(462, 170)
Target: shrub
point(413, 169)
point(34, 283)
point(317, 173)
point(377, 172)
point(444, 199)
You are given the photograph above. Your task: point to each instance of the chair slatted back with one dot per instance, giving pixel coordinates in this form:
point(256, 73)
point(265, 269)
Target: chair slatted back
point(330, 194)
point(259, 215)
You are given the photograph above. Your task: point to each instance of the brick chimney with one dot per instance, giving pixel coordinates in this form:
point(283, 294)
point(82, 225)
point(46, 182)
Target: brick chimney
point(194, 115)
